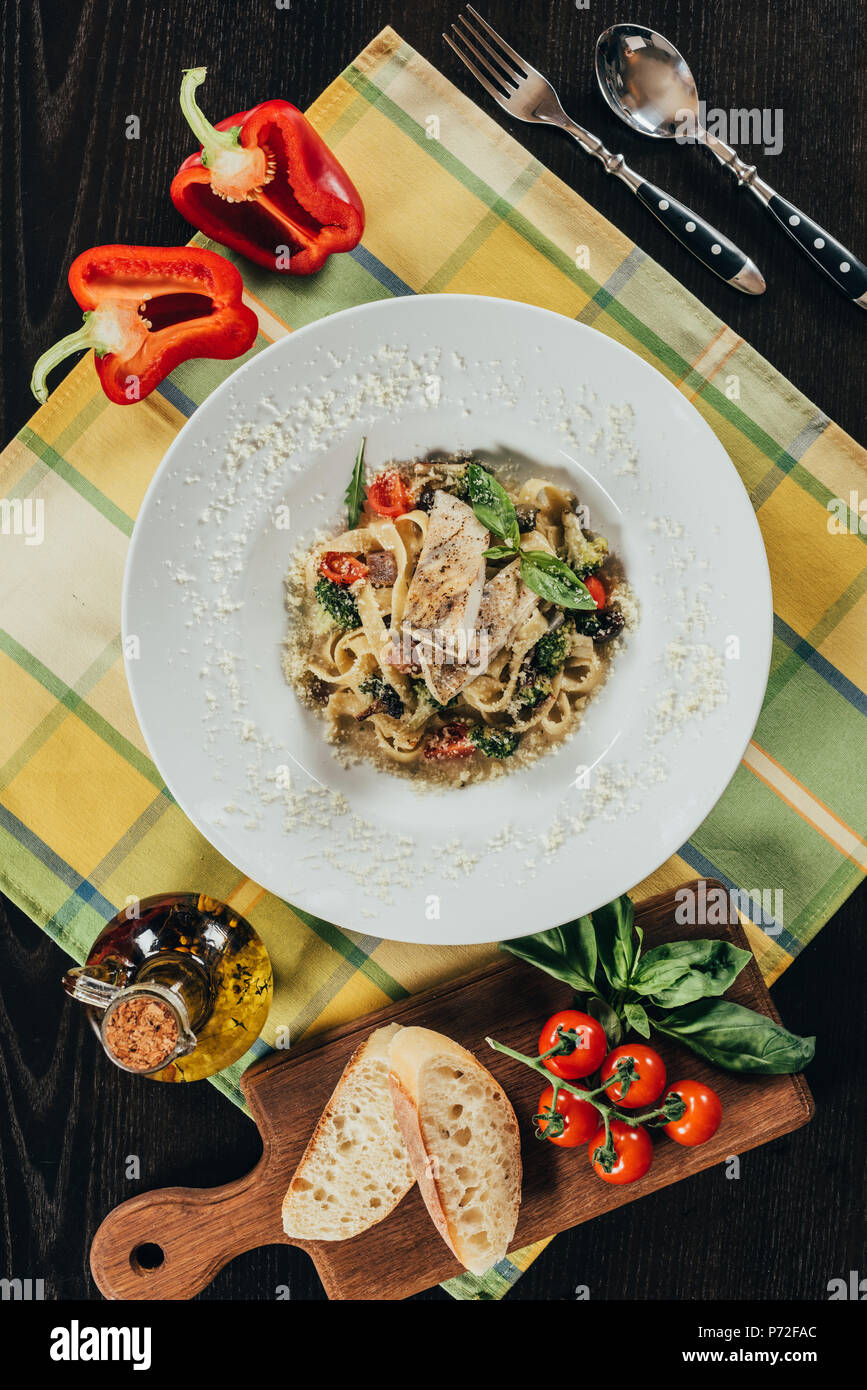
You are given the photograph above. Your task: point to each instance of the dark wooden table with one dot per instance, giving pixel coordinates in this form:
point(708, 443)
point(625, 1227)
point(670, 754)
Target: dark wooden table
point(69, 178)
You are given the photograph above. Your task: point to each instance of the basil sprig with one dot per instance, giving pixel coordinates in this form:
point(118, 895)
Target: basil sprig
point(552, 579)
point(675, 988)
point(493, 505)
point(548, 576)
point(568, 953)
point(736, 1038)
point(356, 492)
point(618, 941)
point(679, 972)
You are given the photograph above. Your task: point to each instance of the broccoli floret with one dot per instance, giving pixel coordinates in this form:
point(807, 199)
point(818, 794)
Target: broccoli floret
point(458, 484)
point(586, 622)
point(494, 743)
point(586, 553)
point(424, 696)
point(426, 705)
point(338, 603)
point(551, 650)
point(383, 695)
point(600, 624)
point(534, 693)
point(448, 477)
point(589, 556)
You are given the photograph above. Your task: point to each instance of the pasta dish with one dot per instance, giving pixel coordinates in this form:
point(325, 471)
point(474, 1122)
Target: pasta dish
point(459, 625)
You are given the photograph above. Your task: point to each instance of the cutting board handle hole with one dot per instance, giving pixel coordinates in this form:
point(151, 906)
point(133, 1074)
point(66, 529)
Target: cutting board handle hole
point(147, 1256)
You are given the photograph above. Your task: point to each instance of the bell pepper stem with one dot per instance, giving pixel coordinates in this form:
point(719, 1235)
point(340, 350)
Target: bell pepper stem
point(210, 139)
point(83, 338)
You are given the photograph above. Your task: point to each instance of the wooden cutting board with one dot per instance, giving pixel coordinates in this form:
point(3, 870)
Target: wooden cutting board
point(197, 1231)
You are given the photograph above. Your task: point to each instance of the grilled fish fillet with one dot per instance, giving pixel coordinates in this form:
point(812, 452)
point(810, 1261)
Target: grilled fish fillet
point(442, 603)
point(505, 606)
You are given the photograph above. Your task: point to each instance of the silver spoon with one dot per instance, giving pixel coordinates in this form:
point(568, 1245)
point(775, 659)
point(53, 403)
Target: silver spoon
point(526, 94)
point(647, 83)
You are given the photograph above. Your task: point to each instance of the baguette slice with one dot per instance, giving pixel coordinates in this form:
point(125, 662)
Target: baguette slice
point(463, 1143)
point(355, 1169)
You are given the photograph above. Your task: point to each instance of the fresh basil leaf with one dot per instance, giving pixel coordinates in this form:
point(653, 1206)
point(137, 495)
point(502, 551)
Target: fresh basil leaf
point(568, 953)
point(680, 971)
point(356, 492)
point(493, 505)
point(736, 1038)
point(602, 1011)
point(552, 579)
point(616, 941)
point(662, 976)
point(499, 552)
point(636, 1017)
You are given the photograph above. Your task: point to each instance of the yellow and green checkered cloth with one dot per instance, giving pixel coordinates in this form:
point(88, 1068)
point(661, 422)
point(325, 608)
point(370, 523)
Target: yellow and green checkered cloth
point(453, 203)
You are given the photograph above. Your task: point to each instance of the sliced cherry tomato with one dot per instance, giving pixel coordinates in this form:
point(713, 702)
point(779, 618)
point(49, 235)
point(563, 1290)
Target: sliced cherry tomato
point(649, 1082)
point(341, 567)
point(596, 590)
point(633, 1149)
point(388, 495)
point(702, 1116)
point(587, 1052)
point(580, 1119)
point(450, 742)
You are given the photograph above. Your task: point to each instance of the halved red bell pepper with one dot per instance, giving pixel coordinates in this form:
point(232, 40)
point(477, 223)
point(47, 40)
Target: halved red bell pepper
point(147, 309)
point(266, 184)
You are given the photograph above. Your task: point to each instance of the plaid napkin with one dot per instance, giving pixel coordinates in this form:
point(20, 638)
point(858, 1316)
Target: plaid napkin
point(453, 203)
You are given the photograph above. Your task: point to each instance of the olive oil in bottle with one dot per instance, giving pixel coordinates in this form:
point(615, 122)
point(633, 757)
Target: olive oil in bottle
point(177, 987)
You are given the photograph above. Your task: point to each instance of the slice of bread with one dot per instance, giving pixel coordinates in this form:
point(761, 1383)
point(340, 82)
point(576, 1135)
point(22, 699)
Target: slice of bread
point(355, 1169)
point(463, 1143)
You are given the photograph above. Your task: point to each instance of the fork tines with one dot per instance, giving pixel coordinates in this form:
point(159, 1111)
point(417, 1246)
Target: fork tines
point(508, 69)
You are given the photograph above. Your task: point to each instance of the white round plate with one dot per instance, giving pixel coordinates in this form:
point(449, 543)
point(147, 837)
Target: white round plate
point(263, 464)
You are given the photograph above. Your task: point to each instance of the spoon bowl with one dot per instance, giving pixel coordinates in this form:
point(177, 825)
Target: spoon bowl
point(647, 82)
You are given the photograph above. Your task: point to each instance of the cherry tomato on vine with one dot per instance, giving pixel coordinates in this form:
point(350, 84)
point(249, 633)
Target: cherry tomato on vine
point(702, 1116)
point(596, 590)
point(580, 1119)
point(341, 567)
point(650, 1082)
point(633, 1149)
point(586, 1056)
point(388, 495)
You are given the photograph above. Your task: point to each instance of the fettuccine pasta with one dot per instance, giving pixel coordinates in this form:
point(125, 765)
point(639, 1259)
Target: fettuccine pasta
point(436, 659)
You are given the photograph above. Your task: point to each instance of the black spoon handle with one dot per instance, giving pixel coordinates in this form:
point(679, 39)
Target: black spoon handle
point(845, 269)
point(848, 273)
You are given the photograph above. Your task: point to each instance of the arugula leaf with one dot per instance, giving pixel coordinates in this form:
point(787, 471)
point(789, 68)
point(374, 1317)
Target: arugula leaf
point(356, 492)
point(637, 1019)
point(679, 972)
point(568, 953)
point(616, 940)
point(736, 1038)
point(493, 505)
point(552, 579)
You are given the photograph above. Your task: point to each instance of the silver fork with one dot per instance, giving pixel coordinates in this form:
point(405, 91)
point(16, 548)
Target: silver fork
point(523, 91)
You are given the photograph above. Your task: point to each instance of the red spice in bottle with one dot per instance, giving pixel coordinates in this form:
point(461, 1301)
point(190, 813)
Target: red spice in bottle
point(141, 1033)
